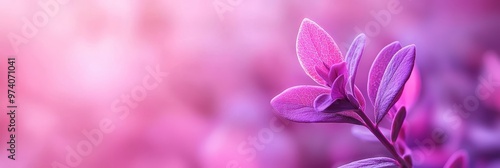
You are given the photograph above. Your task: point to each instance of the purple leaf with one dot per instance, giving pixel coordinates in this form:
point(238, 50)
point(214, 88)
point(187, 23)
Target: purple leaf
point(364, 133)
point(322, 102)
point(338, 92)
point(341, 105)
point(378, 68)
point(297, 104)
point(351, 116)
point(459, 159)
point(336, 102)
point(337, 70)
point(377, 162)
point(321, 72)
point(402, 132)
point(360, 98)
point(338, 88)
point(395, 76)
point(397, 123)
point(353, 57)
point(353, 100)
point(408, 159)
point(316, 50)
point(402, 148)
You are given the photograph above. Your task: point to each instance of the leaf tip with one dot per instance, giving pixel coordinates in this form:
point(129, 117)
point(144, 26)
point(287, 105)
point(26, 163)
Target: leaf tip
point(360, 39)
point(362, 36)
point(307, 22)
point(396, 43)
point(412, 47)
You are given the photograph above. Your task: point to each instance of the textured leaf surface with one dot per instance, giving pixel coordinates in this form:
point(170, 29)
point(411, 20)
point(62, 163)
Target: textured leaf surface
point(337, 70)
point(378, 68)
point(377, 162)
point(297, 104)
point(352, 59)
point(316, 50)
point(395, 76)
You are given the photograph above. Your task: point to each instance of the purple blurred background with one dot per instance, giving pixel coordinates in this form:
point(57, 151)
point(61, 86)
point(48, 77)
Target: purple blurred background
point(177, 84)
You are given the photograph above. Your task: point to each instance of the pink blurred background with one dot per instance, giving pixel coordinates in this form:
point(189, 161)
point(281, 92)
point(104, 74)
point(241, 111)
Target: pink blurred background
point(221, 61)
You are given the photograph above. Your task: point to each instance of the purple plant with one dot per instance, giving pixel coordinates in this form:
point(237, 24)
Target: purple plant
point(338, 100)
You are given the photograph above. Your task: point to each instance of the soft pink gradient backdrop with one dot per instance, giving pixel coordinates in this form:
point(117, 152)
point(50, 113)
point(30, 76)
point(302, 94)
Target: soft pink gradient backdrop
point(222, 75)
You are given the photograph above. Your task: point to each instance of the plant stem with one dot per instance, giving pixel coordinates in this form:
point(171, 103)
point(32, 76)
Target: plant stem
point(369, 124)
